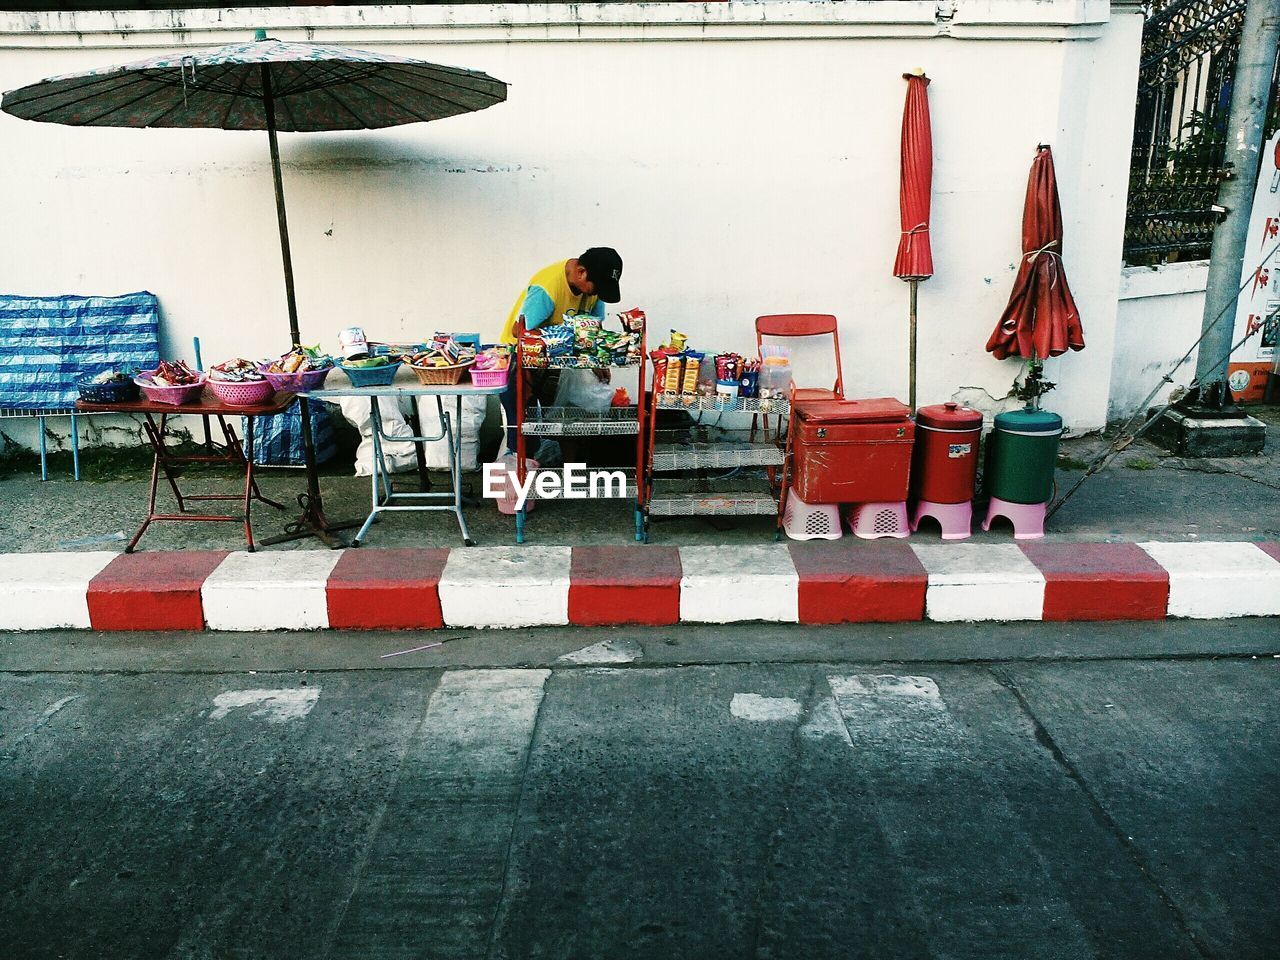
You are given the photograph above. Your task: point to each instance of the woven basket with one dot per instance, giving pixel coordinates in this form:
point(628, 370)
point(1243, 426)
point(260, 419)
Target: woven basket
point(371, 376)
point(241, 393)
point(295, 382)
point(114, 391)
point(176, 396)
point(441, 376)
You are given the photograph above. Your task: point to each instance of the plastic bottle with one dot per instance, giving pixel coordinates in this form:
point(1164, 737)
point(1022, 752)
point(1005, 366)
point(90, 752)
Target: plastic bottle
point(775, 377)
point(707, 379)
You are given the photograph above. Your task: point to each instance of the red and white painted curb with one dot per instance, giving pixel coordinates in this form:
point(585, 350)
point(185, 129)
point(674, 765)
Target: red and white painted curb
point(845, 581)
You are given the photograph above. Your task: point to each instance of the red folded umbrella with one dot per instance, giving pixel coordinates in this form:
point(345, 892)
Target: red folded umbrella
point(915, 256)
point(1041, 319)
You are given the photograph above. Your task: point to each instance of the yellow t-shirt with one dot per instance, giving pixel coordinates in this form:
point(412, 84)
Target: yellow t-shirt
point(546, 300)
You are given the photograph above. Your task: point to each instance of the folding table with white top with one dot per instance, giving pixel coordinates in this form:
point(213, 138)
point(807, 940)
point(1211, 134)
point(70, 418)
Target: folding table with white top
point(384, 497)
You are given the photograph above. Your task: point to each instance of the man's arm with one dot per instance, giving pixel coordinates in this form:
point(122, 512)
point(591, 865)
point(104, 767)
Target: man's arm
point(537, 308)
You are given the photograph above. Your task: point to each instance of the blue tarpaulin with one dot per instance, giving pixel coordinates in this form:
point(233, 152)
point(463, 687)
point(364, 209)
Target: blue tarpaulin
point(47, 344)
point(277, 439)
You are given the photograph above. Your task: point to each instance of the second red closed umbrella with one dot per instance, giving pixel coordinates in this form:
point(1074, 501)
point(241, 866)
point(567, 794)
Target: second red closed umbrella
point(1041, 319)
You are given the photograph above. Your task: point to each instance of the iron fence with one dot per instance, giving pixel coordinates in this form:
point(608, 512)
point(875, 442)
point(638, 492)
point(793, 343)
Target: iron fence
point(1189, 50)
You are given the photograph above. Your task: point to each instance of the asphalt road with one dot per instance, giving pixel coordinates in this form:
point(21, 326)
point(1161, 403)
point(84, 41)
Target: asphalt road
point(947, 792)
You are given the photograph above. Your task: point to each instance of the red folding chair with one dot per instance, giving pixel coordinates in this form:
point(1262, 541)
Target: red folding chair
point(783, 325)
point(805, 325)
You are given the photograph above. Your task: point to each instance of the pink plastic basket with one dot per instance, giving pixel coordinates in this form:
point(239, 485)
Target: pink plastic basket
point(165, 394)
point(295, 382)
point(241, 394)
point(490, 378)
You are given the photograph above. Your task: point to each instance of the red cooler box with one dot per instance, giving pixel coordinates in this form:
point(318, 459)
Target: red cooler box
point(852, 451)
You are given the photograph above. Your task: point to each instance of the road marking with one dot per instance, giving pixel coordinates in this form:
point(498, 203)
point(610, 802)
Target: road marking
point(754, 707)
point(825, 722)
point(435, 867)
point(607, 651)
point(887, 685)
point(274, 706)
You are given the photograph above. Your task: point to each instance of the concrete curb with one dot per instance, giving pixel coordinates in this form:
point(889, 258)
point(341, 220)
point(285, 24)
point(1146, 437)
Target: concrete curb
point(847, 581)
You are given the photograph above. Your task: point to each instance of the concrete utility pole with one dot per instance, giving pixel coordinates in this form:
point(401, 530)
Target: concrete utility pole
point(1206, 422)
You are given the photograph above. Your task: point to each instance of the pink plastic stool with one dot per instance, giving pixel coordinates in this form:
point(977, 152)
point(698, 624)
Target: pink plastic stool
point(870, 521)
point(956, 519)
point(1027, 518)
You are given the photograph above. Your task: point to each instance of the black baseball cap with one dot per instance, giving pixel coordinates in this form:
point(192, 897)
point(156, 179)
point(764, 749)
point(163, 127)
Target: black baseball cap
point(604, 270)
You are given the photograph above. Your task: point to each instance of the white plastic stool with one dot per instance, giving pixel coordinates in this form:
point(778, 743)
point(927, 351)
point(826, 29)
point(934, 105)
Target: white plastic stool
point(1027, 518)
point(955, 519)
point(870, 521)
point(811, 521)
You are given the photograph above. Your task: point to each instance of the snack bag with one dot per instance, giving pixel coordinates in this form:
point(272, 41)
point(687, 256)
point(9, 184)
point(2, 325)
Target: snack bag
point(632, 320)
point(533, 350)
point(674, 373)
point(692, 364)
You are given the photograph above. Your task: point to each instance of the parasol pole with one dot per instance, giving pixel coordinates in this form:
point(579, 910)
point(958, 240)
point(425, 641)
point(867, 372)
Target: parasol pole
point(313, 521)
point(915, 284)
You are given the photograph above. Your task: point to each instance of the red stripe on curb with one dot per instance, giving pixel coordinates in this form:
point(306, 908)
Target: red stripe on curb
point(1270, 549)
point(859, 581)
point(152, 591)
point(1100, 581)
point(387, 589)
point(618, 585)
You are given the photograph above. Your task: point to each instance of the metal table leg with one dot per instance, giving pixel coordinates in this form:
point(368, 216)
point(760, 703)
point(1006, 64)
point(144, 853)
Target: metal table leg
point(384, 497)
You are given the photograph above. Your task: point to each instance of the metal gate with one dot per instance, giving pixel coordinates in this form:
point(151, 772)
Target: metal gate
point(1189, 50)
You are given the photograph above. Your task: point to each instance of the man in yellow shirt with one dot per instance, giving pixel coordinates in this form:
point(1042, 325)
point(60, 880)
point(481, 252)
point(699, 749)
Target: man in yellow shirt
point(583, 284)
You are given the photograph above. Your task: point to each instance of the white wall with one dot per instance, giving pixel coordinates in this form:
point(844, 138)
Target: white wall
point(743, 157)
point(1158, 321)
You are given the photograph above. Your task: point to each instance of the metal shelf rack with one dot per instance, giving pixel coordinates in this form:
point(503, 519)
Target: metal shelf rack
point(702, 497)
point(713, 449)
point(578, 423)
point(694, 451)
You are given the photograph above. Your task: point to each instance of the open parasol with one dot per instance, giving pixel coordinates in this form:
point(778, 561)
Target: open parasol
point(264, 85)
point(915, 253)
point(1041, 319)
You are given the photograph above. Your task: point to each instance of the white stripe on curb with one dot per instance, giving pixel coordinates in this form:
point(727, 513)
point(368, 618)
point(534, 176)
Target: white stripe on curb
point(269, 591)
point(1208, 580)
point(42, 591)
point(731, 584)
point(980, 581)
point(506, 587)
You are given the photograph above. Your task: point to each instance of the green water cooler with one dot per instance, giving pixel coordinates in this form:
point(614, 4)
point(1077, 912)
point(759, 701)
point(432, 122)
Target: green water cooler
point(1022, 453)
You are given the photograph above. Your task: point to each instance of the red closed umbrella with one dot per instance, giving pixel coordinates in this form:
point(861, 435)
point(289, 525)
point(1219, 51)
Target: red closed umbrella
point(915, 254)
point(1041, 319)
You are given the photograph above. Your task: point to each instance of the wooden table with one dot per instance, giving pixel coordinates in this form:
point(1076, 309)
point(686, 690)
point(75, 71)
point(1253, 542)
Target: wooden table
point(155, 418)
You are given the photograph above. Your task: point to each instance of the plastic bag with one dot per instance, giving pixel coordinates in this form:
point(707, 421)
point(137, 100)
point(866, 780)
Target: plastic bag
point(437, 451)
point(396, 456)
point(581, 388)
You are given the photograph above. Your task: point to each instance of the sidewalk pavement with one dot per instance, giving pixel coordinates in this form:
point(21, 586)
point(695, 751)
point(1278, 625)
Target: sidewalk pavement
point(1151, 537)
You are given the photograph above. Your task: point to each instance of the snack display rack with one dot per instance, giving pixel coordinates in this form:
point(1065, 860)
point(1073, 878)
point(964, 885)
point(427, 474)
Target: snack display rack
point(709, 459)
point(579, 423)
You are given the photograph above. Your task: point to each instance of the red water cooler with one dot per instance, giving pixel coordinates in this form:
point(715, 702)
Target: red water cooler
point(944, 467)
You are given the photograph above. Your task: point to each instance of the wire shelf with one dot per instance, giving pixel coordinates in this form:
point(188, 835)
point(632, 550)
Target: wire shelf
point(713, 448)
point(576, 422)
point(778, 406)
point(737, 496)
point(629, 472)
